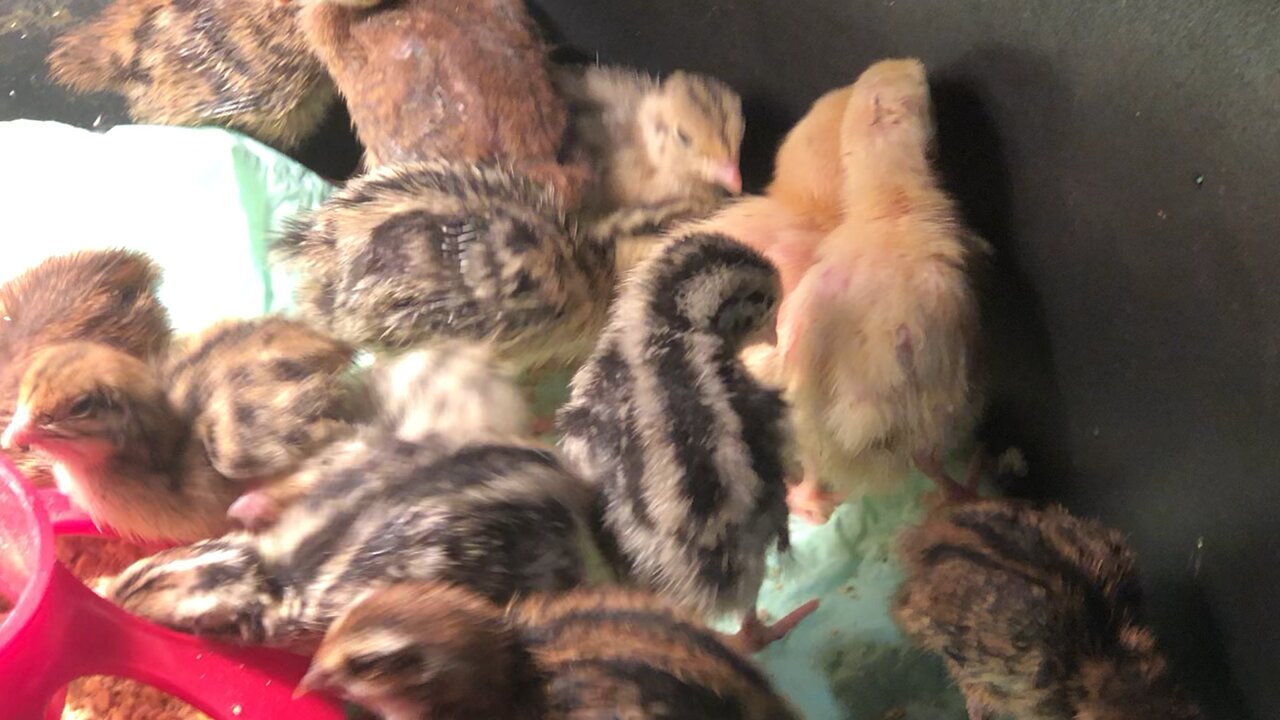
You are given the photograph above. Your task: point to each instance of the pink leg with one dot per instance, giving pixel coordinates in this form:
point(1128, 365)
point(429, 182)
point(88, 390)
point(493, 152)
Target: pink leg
point(952, 491)
point(755, 636)
point(544, 424)
point(810, 501)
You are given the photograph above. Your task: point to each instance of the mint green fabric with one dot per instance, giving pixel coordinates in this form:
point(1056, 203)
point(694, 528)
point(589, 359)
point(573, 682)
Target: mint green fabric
point(204, 203)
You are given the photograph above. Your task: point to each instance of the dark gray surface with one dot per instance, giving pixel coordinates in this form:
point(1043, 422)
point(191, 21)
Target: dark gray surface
point(1135, 313)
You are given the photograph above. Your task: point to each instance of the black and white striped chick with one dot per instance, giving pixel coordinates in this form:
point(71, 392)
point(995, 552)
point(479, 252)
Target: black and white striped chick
point(243, 64)
point(428, 650)
point(1037, 614)
point(497, 515)
point(684, 446)
point(433, 250)
point(160, 450)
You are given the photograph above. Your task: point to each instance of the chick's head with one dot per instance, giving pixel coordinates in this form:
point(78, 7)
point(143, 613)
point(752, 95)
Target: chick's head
point(711, 283)
point(85, 403)
point(692, 129)
point(413, 646)
point(889, 112)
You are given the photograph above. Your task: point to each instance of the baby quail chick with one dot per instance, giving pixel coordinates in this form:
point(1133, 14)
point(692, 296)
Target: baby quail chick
point(427, 650)
point(877, 341)
point(684, 447)
point(498, 518)
point(118, 446)
point(464, 80)
point(106, 296)
point(649, 141)
point(437, 250)
point(261, 394)
point(242, 64)
point(1036, 613)
point(162, 453)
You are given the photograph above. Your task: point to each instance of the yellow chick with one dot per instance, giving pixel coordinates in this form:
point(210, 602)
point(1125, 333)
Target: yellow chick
point(876, 343)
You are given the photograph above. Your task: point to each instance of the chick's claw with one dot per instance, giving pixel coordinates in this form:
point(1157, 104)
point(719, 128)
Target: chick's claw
point(754, 636)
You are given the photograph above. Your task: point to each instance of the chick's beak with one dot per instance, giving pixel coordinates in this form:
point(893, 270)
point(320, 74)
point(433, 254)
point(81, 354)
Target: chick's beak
point(316, 678)
point(728, 176)
point(19, 432)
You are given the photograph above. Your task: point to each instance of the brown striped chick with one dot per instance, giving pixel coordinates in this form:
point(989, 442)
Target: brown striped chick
point(500, 518)
point(685, 448)
point(427, 650)
point(439, 250)
point(106, 296)
point(877, 341)
point(1036, 614)
point(242, 64)
point(445, 396)
point(262, 394)
point(651, 142)
point(464, 80)
point(160, 453)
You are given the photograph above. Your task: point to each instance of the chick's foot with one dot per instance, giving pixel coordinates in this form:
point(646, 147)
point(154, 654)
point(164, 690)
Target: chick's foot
point(812, 502)
point(951, 491)
point(755, 636)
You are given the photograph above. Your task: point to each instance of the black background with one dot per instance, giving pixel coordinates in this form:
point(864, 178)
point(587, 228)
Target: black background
point(1122, 156)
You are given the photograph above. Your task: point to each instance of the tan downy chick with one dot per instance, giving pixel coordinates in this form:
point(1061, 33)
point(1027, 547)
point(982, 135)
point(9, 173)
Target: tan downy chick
point(428, 80)
point(1036, 613)
point(428, 650)
point(160, 453)
point(651, 142)
point(877, 341)
point(106, 296)
point(242, 64)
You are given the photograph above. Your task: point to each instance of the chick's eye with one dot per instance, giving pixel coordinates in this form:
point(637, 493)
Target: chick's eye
point(361, 665)
point(83, 405)
point(683, 137)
